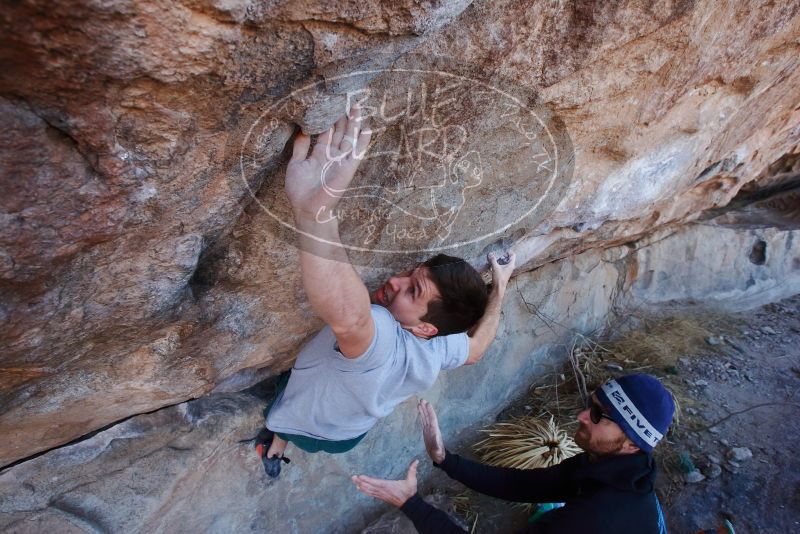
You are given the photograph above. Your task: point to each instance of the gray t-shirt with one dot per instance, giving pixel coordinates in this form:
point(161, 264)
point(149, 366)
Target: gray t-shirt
point(335, 398)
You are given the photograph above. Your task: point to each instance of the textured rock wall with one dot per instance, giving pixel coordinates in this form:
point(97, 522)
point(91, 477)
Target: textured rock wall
point(135, 271)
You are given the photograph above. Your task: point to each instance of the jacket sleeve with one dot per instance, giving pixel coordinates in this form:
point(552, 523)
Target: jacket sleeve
point(550, 484)
point(428, 519)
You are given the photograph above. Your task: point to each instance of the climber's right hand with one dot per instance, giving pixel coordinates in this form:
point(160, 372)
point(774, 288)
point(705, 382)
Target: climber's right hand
point(502, 268)
point(315, 182)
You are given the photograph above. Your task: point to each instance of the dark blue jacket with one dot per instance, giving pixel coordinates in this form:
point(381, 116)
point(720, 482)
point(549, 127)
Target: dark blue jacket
point(612, 495)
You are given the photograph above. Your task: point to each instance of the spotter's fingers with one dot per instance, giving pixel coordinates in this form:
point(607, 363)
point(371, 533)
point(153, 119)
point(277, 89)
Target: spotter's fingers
point(430, 412)
point(360, 486)
point(364, 480)
point(411, 475)
point(423, 413)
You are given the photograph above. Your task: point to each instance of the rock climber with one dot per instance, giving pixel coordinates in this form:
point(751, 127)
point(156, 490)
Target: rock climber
point(607, 488)
point(375, 350)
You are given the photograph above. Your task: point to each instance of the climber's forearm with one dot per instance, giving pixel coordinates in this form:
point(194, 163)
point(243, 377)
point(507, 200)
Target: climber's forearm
point(484, 332)
point(333, 287)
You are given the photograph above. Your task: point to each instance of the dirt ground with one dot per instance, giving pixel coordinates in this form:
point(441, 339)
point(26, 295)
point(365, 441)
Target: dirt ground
point(739, 395)
point(753, 387)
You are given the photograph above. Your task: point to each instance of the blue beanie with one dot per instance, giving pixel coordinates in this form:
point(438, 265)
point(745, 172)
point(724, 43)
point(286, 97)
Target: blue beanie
point(641, 406)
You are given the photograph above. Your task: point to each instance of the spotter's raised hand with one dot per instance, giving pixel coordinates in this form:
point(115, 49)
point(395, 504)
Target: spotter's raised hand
point(431, 434)
point(394, 492)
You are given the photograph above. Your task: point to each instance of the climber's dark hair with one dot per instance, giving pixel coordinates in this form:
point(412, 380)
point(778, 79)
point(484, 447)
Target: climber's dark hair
point(464, 295)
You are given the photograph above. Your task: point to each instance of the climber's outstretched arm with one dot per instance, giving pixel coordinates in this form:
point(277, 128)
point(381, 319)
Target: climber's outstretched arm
point(482, 334)
point(314, 184)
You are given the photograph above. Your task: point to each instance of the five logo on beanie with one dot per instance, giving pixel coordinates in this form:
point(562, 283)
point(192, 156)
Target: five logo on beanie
point(636, 421)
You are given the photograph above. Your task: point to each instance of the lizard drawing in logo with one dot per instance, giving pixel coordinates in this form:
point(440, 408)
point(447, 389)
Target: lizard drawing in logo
point(433, 192)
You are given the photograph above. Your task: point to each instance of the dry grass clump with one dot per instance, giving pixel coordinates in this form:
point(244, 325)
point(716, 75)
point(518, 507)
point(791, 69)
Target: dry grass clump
point(564, 393)
point(661, 342)
point(526, 443)
point(462, 506)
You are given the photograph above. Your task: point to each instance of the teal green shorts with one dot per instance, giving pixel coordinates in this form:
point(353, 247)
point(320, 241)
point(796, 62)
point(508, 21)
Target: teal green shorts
point(304, 442)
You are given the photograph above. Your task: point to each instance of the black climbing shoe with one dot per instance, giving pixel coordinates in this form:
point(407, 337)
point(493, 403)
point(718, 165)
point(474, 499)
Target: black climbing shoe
point(272, 466)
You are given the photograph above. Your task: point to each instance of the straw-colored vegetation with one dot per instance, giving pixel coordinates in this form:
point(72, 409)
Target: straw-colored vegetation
point(526, 443)
point(462, 505)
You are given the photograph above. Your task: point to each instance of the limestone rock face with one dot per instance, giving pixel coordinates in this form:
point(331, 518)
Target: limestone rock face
point(138, 270)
